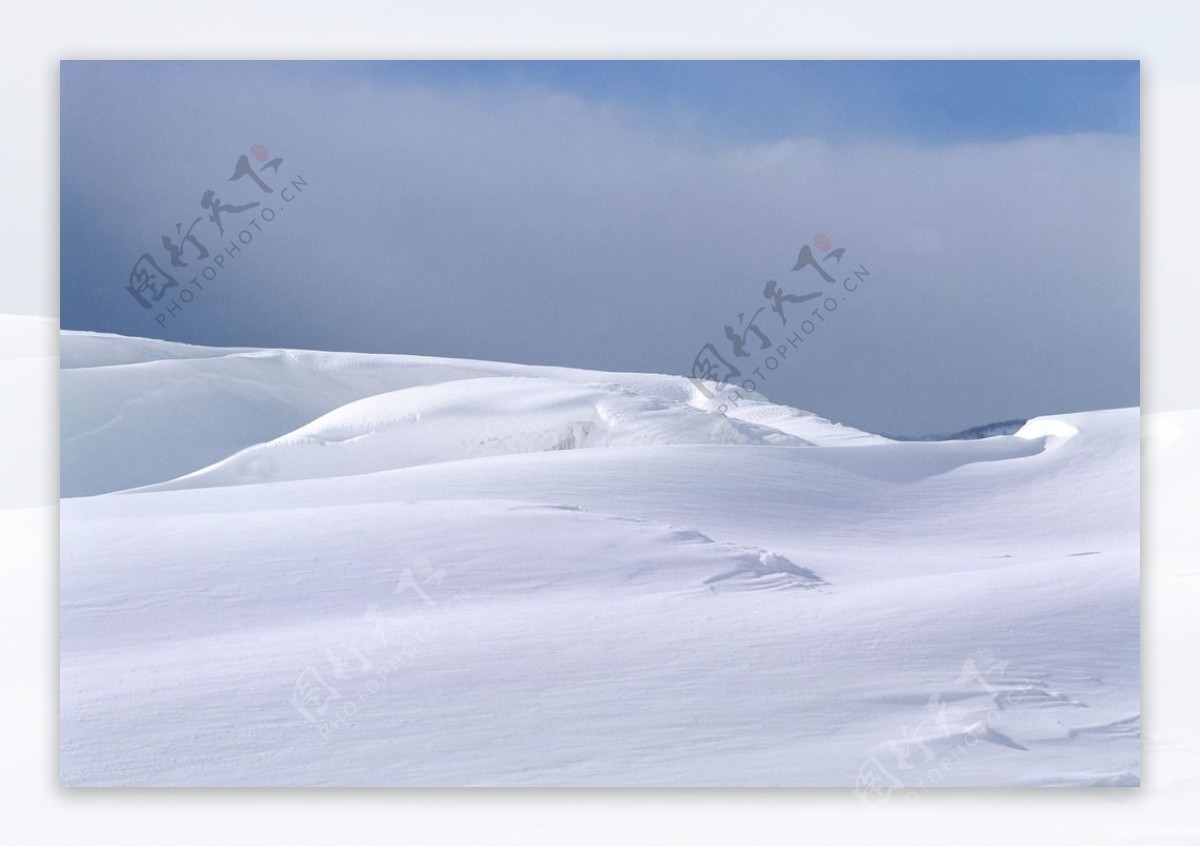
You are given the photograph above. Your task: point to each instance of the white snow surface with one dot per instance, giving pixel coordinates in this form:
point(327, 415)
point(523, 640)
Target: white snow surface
point(295, 568)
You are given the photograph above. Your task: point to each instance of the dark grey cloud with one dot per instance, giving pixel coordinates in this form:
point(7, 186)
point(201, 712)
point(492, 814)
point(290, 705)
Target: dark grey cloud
point(530, 225)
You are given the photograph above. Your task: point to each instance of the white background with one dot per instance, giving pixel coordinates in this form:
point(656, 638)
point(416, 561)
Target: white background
point(33, 809)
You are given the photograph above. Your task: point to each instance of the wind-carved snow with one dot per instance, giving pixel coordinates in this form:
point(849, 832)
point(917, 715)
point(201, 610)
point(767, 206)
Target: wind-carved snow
point(1047, 428)
point(513, 575)
point(139, 412)
point(473, 419)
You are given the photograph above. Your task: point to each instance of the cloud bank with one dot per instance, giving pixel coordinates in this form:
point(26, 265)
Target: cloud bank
point(531, 225)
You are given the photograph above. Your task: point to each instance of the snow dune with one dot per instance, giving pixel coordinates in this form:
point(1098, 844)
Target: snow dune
point(139, 411)
point(306, 568)
point(475, 418)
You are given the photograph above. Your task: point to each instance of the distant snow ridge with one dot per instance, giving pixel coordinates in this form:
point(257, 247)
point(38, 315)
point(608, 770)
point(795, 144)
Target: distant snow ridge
point(140, 412)
point(472, 419)
point(989, 430)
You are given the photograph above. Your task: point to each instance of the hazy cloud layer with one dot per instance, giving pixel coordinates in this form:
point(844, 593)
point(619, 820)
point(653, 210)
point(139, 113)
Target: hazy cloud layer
point(530, 225)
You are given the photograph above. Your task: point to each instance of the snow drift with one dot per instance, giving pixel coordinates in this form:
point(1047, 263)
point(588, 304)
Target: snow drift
point(301, 568)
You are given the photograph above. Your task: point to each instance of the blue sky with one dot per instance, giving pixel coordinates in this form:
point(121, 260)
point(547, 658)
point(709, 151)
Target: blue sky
point(926, 101)
point(617, 216)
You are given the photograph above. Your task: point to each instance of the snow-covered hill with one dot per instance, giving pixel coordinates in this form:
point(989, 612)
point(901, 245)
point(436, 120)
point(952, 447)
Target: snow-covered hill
point(310, 568)
point(139, 411)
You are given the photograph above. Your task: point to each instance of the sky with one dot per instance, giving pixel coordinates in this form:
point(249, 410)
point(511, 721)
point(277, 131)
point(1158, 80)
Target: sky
point(621, 215)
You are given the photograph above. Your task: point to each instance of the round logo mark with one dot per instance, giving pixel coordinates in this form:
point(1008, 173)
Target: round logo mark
point(259, 152)
point(822, 242)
